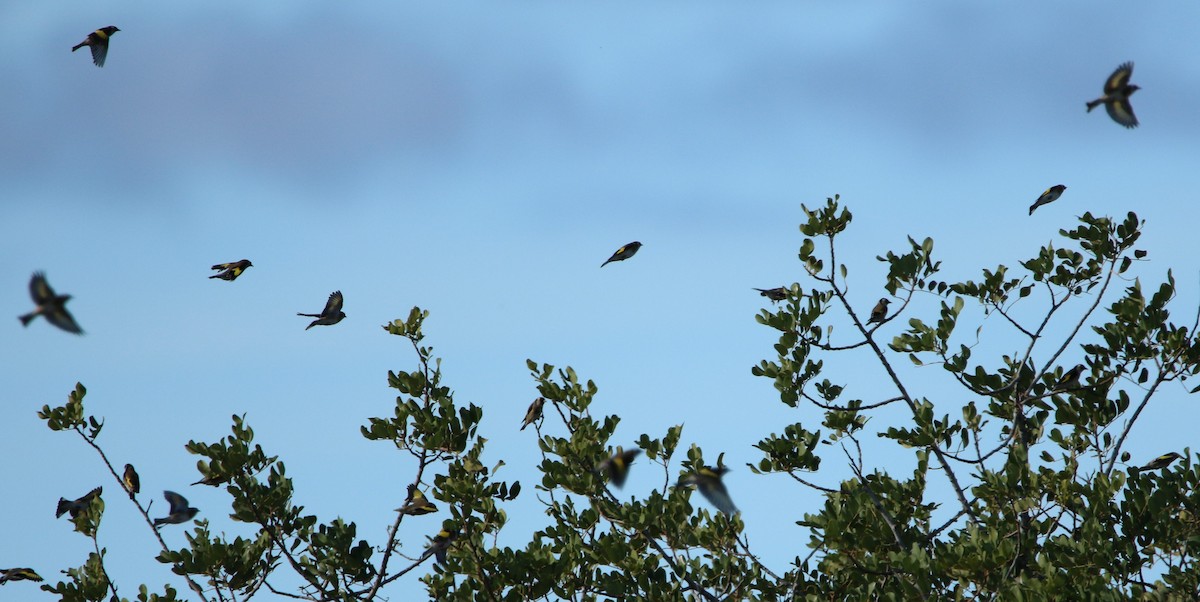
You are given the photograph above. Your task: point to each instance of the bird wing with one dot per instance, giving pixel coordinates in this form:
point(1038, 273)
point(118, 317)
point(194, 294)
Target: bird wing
point(178, 502)
point(334, 305)
point(1119, 79)
point(222, 266)
point(60, 317)
point(714, 491)
point(1121, 112)
point(99, 51)
point(39, 289)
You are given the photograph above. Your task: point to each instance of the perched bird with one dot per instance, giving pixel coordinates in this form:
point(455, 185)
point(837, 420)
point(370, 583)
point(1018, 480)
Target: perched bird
point(1070, 380)
point(1117, 91)
point(50, 305)
point(616, 467)
point(77, 506)
point(439, 544)
point(1162, 461)
point(98, 41)
point(19, 574)
point(708, 481)
point(534, 412)
point(132, 483)
point(624, 253)
point(879, 312)
point(416, 504)
point(774, 294)
point(232, 269)
point(1052, 193)
point(332, 314)
point(179, 512)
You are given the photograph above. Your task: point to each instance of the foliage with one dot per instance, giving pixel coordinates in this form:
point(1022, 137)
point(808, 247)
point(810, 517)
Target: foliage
point(1041, 503)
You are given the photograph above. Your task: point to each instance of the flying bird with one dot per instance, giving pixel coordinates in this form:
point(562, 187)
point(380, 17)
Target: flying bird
point(879, 312)
point(624, 253)
point(1162, 461)
point(332, 314)
point(774, 294)
point(534, 412)
point(232, 269)
point(19, 574)
point(1052, 193)
point(416, 504)
point(98, 41)
point(130, 479)
point(179, 512)
point(616, 467)
point(1117, 91)
point(439, 544)
point(50, 305)
point(78, 505)
point(708, 482)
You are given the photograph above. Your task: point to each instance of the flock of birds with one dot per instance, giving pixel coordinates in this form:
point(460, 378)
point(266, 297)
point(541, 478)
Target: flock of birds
point(706, 479)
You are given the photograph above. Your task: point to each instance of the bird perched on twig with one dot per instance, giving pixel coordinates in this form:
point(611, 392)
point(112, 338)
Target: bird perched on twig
point(179, 512)
point(616, 466)
point(774, 294)
point(332, 314)
point(232, 269)
point(1162, 461)
point(624, 253)
point(534, 412)
point(98, 41)
point(416, 504)
point(1052, 193)
point(1070, 380)
point(879, 312)
point(53, 307)
point(130, 479)
point(707, 481)
point(78, 505)
point(19, 574)
point(1117, 91)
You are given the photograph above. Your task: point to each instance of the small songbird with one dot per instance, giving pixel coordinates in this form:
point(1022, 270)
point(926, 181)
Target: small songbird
point(1052, 193)
point(624, 253)
point(98, 41)
point(1117, 91)
point(708, 482)
point(1162, 461)
point(534, 412)
point(774, 294)
point(439, 544)
point(416, 504)
point(332, 314)
point(78, 505)
point(132, 483)
point(616, 467)
point(179, 512)
point(50, 305)
point(19, 574)
point(231, 270)
point(1070, 380)
point(214, 480)
point(879, 312)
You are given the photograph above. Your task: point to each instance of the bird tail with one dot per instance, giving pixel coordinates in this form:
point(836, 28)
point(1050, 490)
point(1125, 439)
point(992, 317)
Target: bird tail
point(214, 276)
point(309, 315)
point(1095, 103)
point(606, 263)
point(63, 506)
point(79, 45)
point(27, 318)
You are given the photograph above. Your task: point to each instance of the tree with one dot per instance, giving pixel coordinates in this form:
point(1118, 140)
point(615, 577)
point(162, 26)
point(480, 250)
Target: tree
point(1041, 501)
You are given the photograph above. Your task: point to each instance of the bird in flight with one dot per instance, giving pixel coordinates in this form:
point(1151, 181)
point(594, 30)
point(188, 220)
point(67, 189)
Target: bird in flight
point(1117, 91)
point(332, 314)
point(98, 41)
point(232, 269)
point(50, 305)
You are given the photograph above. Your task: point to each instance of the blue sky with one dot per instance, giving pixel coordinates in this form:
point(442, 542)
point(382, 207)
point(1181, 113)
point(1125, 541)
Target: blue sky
point(481, 161)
